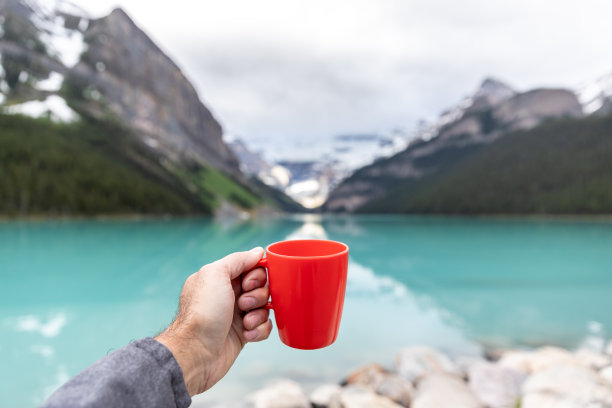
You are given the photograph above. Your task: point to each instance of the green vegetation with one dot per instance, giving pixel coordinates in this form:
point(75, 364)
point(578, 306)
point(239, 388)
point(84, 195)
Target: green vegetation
point(206, 180)
point(98, 167)
point(50, 168)
point(560, 167)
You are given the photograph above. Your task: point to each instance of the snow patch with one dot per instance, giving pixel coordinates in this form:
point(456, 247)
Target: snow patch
point(592, 95)
point(51, 84)
point(4, 88)
point(310, 193)
point(83, 24)
point(304, 187)
point(152, 143)
point(23, 77)
point(54, 106)
point(65, 43)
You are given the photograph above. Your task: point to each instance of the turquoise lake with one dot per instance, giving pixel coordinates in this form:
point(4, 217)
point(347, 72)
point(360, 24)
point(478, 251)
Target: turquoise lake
point(71, 291)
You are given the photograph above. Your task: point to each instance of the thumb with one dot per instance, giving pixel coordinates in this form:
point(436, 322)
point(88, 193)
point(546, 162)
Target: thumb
point(239, 262)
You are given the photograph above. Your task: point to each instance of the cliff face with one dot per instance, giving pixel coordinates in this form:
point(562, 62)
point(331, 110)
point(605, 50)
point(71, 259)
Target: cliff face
point(110, 66)
point(478, 120)
point(108, 78)
point(133, 78)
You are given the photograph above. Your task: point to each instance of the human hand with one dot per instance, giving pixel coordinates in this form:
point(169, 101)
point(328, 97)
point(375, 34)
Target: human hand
point(210, 328)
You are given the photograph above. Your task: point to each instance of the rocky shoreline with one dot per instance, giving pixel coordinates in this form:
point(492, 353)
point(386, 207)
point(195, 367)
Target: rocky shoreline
point(422, 377)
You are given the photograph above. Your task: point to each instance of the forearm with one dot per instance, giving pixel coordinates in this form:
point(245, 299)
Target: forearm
point(142, 374)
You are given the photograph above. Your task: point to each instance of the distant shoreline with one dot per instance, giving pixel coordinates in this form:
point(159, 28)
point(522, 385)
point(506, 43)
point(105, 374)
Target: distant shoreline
point(136, 216)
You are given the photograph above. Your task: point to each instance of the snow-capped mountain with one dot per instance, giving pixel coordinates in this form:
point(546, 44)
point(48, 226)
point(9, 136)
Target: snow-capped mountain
point(59, 63)
point(596, 96)
point(308, 173)
point(491, 112)
point(52, 51)
point(491, 92)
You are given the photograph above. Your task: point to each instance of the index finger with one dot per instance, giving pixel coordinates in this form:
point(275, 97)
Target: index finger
point(239, 262)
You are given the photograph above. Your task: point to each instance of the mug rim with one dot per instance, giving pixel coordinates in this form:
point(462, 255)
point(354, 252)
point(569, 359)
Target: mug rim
point(344, 251)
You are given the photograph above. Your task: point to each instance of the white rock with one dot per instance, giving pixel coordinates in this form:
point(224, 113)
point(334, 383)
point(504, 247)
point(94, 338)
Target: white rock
point(383, 382)
point(608, 350)
point(367, 375)
point(570, 385)
point(536, 360)
point(54, 106)
point(465, 363)
point(281, 394)
point(437, 390)
point(396, 388)
point(544, 400)
point(606, 375)
point(354, 396)
point(414, 362)
point(593, 359)
point(201, 401)
point(323, 394)
point(495, 386)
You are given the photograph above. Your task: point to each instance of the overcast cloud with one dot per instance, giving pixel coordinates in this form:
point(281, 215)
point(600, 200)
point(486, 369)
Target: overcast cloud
point(273, 69)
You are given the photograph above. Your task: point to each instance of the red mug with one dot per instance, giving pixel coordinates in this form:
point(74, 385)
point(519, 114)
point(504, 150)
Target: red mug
point(307, 280)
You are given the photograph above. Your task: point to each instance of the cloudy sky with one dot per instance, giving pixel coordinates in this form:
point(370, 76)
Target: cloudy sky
point(276, 69)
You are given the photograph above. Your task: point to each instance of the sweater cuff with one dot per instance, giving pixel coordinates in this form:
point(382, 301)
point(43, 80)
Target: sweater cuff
point(166, 361)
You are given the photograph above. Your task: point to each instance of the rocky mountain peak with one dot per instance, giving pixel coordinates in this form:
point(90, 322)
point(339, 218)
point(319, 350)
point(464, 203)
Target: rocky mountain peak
point(489, 93)
point(137, 81)
point(493, 111)
point(108, 65)
point(493, 91)
point(118, 12)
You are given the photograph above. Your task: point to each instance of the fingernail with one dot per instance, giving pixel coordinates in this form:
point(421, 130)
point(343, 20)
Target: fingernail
point(250, 335)
point(249, 302)
point(256, 249)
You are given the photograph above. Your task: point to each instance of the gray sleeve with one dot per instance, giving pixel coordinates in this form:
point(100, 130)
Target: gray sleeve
point(142, 374)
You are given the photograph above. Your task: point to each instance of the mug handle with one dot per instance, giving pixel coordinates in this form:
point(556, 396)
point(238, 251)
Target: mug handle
point(263, 263)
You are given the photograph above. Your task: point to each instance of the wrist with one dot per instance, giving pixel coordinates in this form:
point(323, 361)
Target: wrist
point(188, 353)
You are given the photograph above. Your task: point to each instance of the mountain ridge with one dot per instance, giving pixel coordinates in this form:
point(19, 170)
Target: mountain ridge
point(107, 77)
point(469, 127)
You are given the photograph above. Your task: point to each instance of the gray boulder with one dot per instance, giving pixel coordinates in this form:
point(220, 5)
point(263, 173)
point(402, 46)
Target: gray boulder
point(536, 360)
point(354, 396)
point(495, 386)
point(323, 395)
point(606, 375)
point(280, 394)
point(592, 359)
point(414, 362)
point(383, 382)
point(437, 390)
point(566, 385)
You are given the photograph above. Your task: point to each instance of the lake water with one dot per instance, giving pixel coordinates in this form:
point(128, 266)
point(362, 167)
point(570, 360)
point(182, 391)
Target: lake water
point(71, 291)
